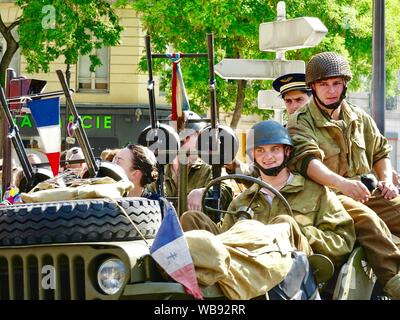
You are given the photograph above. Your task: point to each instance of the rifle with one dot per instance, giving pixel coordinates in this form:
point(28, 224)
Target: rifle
point(33, 174)
point(96, 168)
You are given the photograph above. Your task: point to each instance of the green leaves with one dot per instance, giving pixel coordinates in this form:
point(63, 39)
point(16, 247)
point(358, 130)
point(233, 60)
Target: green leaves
point(184, 24)
point(50, 29)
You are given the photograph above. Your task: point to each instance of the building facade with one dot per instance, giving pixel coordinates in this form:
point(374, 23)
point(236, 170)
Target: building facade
point(113, 101)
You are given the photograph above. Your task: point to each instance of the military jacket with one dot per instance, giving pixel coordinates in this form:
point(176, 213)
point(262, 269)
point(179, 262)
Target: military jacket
point(322, 218)
point(348, 147)
point(199, 175)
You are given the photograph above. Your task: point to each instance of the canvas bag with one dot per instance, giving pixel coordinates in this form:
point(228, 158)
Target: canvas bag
point(246, 261)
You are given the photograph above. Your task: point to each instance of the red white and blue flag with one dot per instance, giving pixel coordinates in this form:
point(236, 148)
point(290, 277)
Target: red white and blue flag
point(180, 101)
point(46, 115)
point(171, 252)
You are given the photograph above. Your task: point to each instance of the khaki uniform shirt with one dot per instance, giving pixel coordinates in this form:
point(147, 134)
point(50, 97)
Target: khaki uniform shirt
point(348, 147)
point(199, 175)
point(327, 226)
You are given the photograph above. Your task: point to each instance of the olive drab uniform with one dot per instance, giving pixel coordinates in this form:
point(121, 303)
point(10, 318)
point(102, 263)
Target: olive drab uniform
point(321, 218)
point(199, 175)
point(349, 147)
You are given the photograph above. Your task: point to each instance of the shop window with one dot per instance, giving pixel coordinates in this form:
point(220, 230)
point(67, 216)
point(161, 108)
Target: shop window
point(97, 80)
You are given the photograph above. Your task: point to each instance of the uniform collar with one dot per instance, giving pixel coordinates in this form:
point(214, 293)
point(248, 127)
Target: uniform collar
point(322, 121)
point(294, 184)
point(197, 164)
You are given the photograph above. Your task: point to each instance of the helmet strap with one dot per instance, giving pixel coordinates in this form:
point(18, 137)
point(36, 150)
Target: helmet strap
point(275, 170)
point(332, 106)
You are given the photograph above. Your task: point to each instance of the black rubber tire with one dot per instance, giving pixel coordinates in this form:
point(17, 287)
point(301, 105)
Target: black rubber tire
point(90, 220)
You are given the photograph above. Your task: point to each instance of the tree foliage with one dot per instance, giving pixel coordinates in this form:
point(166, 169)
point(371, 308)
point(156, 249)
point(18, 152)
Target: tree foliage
point(53, 28)
point(184, 24)
point(49, 29)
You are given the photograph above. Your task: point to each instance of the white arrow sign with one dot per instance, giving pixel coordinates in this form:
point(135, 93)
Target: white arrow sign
point(257, 69)
point(269, 99)
point(304, 32)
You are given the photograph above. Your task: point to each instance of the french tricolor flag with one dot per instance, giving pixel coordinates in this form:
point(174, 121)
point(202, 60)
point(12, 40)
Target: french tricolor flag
point(46, 115)
point(180, 101)
point(171, 252)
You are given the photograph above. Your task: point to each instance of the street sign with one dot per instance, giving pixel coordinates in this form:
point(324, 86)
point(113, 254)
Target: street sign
point(269, 99)
point(243, 69)
point(298, 33)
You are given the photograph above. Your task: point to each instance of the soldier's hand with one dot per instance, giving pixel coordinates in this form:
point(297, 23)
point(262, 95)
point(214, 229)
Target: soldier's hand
point(356, 190)
point(388, 189)
point(194, 199)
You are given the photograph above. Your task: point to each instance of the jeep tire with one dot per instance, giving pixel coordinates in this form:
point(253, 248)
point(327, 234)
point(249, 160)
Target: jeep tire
point(89, 220)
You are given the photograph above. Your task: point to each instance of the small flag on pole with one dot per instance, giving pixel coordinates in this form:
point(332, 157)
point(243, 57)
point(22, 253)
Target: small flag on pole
point(46, 115)
point(171, 251)
point(180, 101)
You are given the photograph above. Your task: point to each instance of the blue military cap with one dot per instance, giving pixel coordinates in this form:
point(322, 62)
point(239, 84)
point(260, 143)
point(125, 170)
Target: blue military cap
point(290, 82)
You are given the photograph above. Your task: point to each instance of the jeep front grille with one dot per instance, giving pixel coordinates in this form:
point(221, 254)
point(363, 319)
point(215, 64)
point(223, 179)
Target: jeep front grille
point(43, 277)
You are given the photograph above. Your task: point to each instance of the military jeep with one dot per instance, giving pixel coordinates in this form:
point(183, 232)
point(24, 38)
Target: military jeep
point(88, 249)
point(99, 248)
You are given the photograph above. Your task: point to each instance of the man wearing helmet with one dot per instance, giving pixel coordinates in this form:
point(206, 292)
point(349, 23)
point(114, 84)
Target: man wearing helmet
point(199, 173)
point(335, 144)
point(293, 90)
point(295, 94)
point(319, 224)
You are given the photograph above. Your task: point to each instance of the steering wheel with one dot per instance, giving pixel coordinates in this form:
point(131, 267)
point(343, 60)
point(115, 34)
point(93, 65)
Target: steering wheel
point(247, 212)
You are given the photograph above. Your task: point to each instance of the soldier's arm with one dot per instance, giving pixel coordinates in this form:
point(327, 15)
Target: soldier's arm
point(332, 233)
point(377, 146)
point(319, 173)
point(384, 171)
point(308, 159)
point(306, 145)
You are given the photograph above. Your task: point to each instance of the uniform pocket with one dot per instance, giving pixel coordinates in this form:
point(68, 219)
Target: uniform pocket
point(305, 211)
point(359, 142)
point(332, 157)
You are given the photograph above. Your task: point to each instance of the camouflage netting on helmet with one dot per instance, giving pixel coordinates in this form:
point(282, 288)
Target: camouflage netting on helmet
point(326, 65)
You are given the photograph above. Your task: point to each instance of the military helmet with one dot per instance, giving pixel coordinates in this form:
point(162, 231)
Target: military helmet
point(267, 132)
point(327, 65)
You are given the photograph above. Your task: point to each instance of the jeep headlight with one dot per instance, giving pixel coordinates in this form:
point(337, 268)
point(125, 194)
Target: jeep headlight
point(111, 275)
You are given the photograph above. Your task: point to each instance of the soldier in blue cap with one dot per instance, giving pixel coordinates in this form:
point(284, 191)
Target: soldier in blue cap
point(293, 90)
point(295, 93)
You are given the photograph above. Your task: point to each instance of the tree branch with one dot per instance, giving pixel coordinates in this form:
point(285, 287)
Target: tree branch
point(241, 85)
point(14, 24)
point(3, 27)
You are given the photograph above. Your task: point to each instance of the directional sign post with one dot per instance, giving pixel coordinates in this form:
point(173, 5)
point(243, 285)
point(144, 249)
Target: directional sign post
point(278, 36)
point(269, 99)
point(304, 32)
point(257, 69)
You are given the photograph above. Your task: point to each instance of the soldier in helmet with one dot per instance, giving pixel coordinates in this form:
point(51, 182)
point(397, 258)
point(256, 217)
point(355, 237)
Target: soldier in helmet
point(295, 94)
point(319, 224)
point(293, 90)
point(336, 144)
point(199, 172)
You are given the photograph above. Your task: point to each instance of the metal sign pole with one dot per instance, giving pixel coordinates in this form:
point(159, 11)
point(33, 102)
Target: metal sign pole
point(378, 66)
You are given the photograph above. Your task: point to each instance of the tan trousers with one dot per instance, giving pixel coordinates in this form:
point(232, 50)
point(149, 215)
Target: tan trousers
point(374, 223)
point(196, 220)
